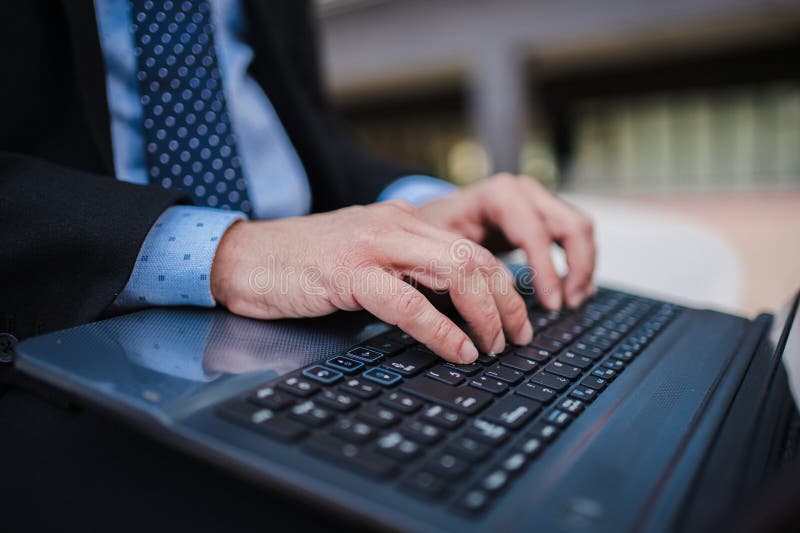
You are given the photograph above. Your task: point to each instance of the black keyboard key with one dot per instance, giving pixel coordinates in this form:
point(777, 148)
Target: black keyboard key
point(444, 418)
point(624, 355)
point(504, 373)
point(512, 412)
point(558, 418)
point(346, 365)
point(323, 374)
point(550, 381)
point(609, 333)
point(614, 364)
point(262, 420)
point(298, 386)
point(386, 346)
point(544, 430)
point(558, 335)
point(534, 354)
point(584, 394)
point(366, 355)
point(400, 336)
point(340, 401)
point(531, 446)
point(473, 501)
point(401, 402)
point(396, 446)
point(594, 382)
point(581, 348)
point(514, 463)
point(549, 345)
point(271, 399)
point(571, 358)
point(448, 466)
point(468, 448)
point(526, 366)
point(604, 343)
point(487, 359)
point(351, 456)
point(309, 413)
point(387, 378)
point(411, 362)
point(537, 392)
point(378, 416)
point(604, 373)
point(424, 484)
point(577, 323)
point(570, 326)
point(469, 369)
point(361, 388)
point(494, 386)
point(495, 480)
point(463, 399)
point(487, 432)
point(560, 369)
point(354, 431)
point(421, 432)
point(446, 375)
point(539, 321)
point(571, 406)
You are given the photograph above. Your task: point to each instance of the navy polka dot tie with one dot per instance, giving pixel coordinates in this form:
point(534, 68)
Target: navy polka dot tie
point(190, 145)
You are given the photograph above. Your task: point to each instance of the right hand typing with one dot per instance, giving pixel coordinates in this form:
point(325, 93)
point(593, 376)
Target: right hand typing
point(364, 257)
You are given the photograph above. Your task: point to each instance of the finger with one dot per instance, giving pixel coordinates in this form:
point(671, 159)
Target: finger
point(524, 227)
point(470, 294)
point(396, 302)
point(499, 283)
point(573, 231)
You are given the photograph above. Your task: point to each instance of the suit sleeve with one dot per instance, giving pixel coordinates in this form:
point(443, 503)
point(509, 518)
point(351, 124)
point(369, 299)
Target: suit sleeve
point(68, 243)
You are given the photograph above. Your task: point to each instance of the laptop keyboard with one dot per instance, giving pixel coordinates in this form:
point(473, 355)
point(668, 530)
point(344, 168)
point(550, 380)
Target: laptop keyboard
point(453, 434)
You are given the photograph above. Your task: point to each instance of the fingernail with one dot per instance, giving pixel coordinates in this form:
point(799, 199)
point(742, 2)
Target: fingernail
point(525, 334)
point(468, 353)
point(499, 343)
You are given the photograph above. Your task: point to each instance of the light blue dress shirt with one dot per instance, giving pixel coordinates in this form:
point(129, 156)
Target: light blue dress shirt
point(174, 263)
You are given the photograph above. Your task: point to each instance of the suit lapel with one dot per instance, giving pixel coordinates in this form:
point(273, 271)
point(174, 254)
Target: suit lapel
point(90, 71)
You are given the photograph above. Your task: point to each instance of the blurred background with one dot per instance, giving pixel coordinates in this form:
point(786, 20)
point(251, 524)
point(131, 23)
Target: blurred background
point(676, 124)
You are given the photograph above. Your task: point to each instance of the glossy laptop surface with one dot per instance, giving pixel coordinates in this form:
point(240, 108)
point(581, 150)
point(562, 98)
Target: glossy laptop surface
point(561, 448)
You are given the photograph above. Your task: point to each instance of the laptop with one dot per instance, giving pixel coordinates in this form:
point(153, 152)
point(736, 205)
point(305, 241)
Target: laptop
point(629, 414)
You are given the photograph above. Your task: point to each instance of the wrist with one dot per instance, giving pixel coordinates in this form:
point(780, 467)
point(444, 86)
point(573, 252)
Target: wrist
point(224, 264)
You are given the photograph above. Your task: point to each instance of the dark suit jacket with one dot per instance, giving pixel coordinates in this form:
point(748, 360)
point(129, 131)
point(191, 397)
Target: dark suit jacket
point(69, 232)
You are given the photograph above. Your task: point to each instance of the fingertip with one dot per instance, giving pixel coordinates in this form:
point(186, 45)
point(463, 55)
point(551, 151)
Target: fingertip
point(553, 301)
point(576, 298)
point(525, 334)
point(468, 353)
point(592, 291)
point(499, 343)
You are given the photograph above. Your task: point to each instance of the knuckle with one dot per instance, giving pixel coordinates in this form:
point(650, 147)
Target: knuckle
point(584, 224)
point(442, 330)
point(483, 257)
point(475, 258)
point(401, 205)
point(504, 179)
point(411, 303)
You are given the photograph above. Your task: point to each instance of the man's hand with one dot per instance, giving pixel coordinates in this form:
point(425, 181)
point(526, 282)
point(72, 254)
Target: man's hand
point(366, 258)
point(509, 211)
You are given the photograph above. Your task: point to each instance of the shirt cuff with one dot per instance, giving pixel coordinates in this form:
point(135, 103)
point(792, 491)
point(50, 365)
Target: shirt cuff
point(416, 189)
point(174, 263)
